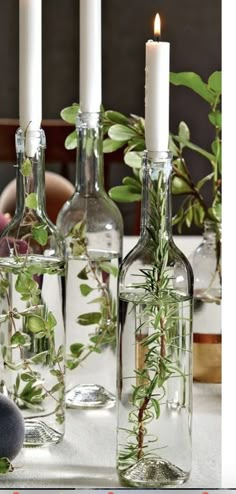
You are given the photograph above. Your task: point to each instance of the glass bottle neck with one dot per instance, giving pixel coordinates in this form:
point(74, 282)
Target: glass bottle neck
point(30, 175)
point(212, 231)
point(89, 161)
point(156, 200)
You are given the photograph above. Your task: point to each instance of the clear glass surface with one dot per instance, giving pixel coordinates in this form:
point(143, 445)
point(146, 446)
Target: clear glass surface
point(32, 338)
point(155, 346)
point(206, 263)
point(92, 227)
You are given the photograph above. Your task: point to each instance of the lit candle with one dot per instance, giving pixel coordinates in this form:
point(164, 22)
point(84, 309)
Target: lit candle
point(90, 55)
point(30, 64)
point(157, 92)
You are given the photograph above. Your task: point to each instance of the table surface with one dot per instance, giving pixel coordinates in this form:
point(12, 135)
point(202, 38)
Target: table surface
point(86, 456)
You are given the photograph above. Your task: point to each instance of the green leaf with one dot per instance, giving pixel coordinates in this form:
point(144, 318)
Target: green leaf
point(72, 364)
point(90, 318)
point(189, 216)
point(28, 376)
point(120, 132)
point(71, 140)
point(85, 289)
point(179, 186)
point(204, 180)
point(108, 268)
point(31, 201)
point(125, 193)
point(136, 144)
point(26, 168)
point(133, 159)
point(184, 134)
point(35, 324)
point(51, 321)
point(156, 407)
point(70, 113)
point(133, 182)
point(216, 210)
point(196, 148)
point(172, 147)
point(109, 145)
point(193, 81)
point(5, 466)
point(17, 339)
point(198, 214)
point(215, 118)
point(179, 163)
point(40, 234)
point(116, 117)
point(76, 349)
point(83, 274)
point(40, 358)
point(25, 284)
point(214, 82)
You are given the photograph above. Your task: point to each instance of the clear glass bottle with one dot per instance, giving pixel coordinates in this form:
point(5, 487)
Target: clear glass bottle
point(93, 228)
point(154, 345)
point(206, 263)
point(32, 337)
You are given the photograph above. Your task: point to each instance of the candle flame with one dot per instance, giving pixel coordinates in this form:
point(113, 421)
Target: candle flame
point(157, 25)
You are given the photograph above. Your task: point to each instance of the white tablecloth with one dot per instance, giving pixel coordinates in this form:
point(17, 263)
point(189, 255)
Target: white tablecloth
point(86, 457)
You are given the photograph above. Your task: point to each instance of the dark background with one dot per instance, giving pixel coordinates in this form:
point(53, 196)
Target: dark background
point(193, 27)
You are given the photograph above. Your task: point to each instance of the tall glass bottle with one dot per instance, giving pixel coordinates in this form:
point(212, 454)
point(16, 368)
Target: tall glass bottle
point(154, 345)
point(31, 318)
point(206, 263)
point(92, 226)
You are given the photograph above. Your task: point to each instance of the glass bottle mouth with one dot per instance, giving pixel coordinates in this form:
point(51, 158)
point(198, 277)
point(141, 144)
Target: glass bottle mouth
point(155, 163)
point(158, 156)
point(28, 142)
point(88, 120)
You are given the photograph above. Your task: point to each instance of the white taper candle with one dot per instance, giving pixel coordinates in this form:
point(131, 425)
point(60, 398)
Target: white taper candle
point(157, 96)
point(30, 64)
point(90, 56)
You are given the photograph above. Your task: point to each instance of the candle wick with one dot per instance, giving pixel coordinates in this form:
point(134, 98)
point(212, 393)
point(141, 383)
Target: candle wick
point(157, 37)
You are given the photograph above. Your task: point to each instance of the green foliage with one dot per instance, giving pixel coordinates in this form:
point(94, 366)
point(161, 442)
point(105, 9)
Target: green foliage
point(89, 318)
point(5, 466)
point(31, 201)
point(128, 132)
point(85, 289)
point(40, 234)
point(70, 113)
point(155, 306)
point(30, 389)
point(71, 140)
point(193, 81)
point(26, 167)
point(95, 272)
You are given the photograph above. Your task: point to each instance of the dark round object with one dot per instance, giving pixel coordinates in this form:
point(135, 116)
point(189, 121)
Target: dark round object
point(12, 428)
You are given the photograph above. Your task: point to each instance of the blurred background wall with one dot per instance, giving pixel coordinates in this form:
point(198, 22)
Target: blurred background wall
point(193, 27)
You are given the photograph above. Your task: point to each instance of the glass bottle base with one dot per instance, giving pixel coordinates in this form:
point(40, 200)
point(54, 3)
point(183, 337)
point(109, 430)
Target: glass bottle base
point(89, 396)
point(153, 473)
point(39, 434)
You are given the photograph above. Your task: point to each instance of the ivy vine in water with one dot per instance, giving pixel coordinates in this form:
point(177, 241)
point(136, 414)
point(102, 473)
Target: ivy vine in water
point(38, 324)
point(106, 319)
